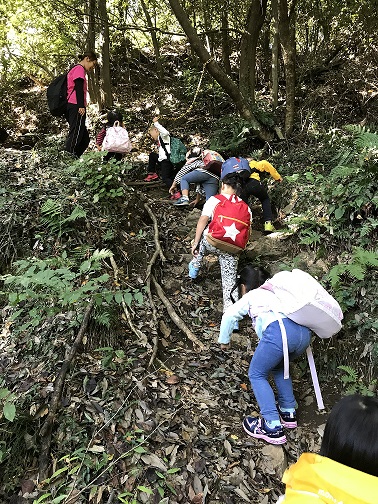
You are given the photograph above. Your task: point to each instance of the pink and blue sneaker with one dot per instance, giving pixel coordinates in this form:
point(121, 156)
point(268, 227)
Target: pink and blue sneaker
point(257, 428)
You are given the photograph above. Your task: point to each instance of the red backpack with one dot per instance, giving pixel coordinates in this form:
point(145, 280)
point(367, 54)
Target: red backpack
point(229, 229)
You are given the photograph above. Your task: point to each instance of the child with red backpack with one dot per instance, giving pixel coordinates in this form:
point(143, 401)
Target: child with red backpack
point(229, 229)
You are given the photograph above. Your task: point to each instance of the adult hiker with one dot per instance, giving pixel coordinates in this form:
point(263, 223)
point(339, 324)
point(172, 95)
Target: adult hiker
point(78, 136)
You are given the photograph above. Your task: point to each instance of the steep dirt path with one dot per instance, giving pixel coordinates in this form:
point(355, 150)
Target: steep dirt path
point(212, 384)
point(180, 417)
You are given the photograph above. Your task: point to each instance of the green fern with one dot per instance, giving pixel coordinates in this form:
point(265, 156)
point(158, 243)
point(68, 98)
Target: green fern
point(342, 172)
point(52, 218)
point(51, 215)
point(77, 213)
point(344, 157)
point(366, 257)
point(101, 254)
point(350, 375)
point(103, 318)
point(364, 138)
point(94, 261)
point(353, 384)
point(356, 269)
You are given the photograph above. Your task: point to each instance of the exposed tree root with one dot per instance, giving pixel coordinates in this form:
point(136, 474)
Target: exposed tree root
point(155, 339)
point(141, 336)
point(152, 261)
point(176, 319)
point(46, 430)
point(156, 232)
point(150, 264)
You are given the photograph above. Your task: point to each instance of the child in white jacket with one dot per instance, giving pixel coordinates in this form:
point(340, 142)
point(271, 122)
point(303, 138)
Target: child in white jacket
point(264, 308)
point(160, 159)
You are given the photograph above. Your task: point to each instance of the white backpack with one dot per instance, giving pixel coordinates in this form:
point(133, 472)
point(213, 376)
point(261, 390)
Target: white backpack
point(116, 139)
point(307, 303)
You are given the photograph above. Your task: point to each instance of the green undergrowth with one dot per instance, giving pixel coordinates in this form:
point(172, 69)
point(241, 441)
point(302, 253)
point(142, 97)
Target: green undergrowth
point(333, 210)
point(73, 232)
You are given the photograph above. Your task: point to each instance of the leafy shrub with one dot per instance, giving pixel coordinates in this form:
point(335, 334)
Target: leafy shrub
point(355, 385)
point(230, 135)
point(341, 224)
point(43, 288)
point(102, 180)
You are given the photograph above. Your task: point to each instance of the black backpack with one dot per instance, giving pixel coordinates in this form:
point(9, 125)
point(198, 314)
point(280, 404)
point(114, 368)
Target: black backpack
point(57, 95)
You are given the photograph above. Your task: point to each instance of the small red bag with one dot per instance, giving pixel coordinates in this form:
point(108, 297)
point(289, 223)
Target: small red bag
point(210, 155)
point(229, 229)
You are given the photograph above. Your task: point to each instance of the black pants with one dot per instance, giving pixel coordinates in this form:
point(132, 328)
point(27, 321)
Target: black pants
point(164, 168)
point(113, 155)
point(255, 188)
point(78, 136)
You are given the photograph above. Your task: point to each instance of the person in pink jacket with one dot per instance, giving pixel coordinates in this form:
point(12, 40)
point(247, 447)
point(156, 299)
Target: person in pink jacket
point(78, 136)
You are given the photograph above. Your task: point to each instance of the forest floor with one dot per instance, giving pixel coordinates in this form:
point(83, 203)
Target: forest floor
point(171, 426)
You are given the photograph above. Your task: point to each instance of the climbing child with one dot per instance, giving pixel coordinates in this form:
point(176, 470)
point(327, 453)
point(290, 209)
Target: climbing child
point(202, 243)
point(112, 117)
point(195, 172)
point(346, 470)
point(265, 310)
point(160, 160)
point(254, 187)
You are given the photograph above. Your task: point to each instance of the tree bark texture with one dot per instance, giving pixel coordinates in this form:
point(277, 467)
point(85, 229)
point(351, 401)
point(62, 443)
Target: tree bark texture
point(226, 50)
point(247, 72)
point(287, 20)
point(275, 52)
point(93, 77)
point(155, 42)
point(105, 71)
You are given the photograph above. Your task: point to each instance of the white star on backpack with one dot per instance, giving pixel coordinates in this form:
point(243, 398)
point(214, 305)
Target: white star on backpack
point(231, 232)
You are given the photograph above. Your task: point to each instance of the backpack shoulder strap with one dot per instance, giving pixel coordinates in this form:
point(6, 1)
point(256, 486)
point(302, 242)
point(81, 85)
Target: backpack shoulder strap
point(314, 376)
point(162, 144)
point(220, 197)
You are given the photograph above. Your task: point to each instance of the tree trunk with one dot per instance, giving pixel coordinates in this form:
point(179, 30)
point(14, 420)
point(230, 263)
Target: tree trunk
point(226, 50)
point(275, 51)
point(213, 68)
point(247, 73)
point(287, 38)
point(93, 77)
point(207, 26)
point(155, 42)
point(105, 70)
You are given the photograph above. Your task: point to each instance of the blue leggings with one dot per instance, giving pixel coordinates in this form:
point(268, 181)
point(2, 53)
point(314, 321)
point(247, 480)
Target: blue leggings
point(209, 183)
point(268, 359)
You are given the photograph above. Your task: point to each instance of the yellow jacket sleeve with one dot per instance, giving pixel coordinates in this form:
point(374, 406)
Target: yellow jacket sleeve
point(264, 166)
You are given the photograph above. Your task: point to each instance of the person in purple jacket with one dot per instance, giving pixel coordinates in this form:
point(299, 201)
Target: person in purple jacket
point(78, 136)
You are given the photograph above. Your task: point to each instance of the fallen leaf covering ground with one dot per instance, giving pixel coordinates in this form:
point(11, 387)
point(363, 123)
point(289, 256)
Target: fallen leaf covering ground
point(170, 432)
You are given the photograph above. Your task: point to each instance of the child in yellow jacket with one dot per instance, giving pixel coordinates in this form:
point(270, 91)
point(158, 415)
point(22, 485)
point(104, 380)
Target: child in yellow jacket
point(346, 471)
point(254, 187)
